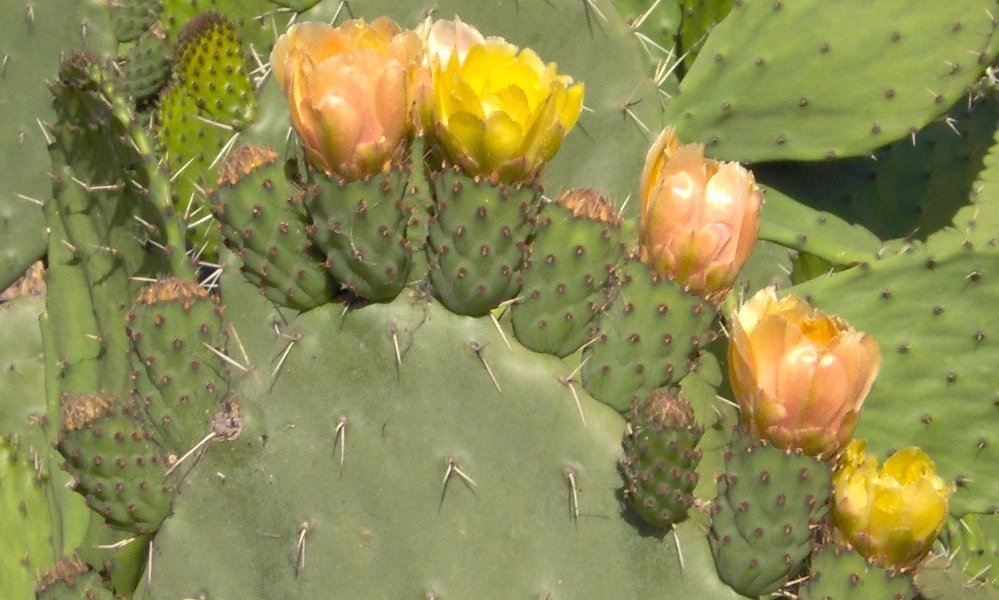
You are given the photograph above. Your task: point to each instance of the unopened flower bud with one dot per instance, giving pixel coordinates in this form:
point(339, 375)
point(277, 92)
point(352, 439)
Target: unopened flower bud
point(800, 376)
point(347, 91)
point(893, 514)
point(700, 217)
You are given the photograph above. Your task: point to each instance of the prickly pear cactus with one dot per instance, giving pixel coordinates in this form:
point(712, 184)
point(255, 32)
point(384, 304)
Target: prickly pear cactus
point(253, 378)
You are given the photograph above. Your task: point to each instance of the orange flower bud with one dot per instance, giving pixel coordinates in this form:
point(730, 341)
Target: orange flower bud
point(700, 217)
point(800, 376)
point(347, 91)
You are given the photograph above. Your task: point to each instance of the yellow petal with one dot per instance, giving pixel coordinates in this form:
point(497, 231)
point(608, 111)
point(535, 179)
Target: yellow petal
point(501, 140)
point(467, 131)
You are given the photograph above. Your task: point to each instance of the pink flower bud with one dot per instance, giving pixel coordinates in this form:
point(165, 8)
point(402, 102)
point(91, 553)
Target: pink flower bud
point(800, 376)
point(700, 217)
point(347, 91)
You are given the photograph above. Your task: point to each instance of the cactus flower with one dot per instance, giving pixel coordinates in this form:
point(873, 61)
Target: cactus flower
point(800, 376)
point(347, 91)
point(700, 217)
point(501, 113)
point(893, 514)
point(441, 39)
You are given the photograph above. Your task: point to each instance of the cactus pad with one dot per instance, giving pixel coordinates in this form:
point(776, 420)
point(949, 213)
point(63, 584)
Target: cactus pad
point(648, 337)
point(768, 503)
point(572, 259)
point(264, 222)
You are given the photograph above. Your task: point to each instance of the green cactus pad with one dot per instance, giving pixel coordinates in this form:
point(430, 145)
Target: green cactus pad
point(768, 502)
point(178, 340)
point(115, 461)
point(911, 188)
point(749, 98)
point(439, 476)
point(477, 240)
point(361, 227)
point(660, 459)
point(256, 21)
point(699, 17)
point(974, 539)
point(211, 68)
point(101, 216)
point(264, 222)
point(73, 579)
point(572, 258)
point(977, 223)
point(34, 38)
point(648, 337)
point(940, 579)
point(146, 68)
point(932, 314)
point(24, 519)
point(842, 574)
point(130, 18)
point(209, 100)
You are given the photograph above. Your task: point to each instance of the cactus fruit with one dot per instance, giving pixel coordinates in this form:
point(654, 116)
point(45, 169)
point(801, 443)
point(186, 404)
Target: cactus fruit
point(660, 459)
point(178, 340)
point(769, 501)
point(478, 239)
point(840, 574)
point(565, 279)
point(264, 221)
point(648, 337)
point(361, 228)
point(115, 461)
point(72, 578)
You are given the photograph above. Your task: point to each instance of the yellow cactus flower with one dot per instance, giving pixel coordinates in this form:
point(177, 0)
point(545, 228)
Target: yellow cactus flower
point(800, 376)
point(501, 113)
point(893, 514)
point(441, 39)
point(346, 87)
point(700, 217)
